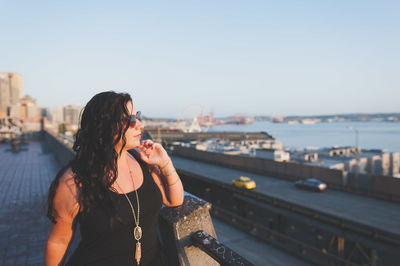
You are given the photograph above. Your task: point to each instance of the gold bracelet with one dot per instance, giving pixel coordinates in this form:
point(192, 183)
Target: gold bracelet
point(165, 165)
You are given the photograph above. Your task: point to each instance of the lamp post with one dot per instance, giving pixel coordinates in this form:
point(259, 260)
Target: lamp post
point(357, 158)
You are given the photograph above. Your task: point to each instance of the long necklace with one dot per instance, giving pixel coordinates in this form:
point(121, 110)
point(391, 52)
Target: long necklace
point(137, 232)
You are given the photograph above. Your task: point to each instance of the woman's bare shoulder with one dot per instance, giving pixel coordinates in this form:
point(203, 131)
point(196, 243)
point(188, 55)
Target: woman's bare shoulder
point(66, 198)
point(67, 178)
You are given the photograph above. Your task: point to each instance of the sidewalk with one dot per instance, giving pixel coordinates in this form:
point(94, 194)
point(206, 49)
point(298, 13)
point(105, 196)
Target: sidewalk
point(24, 180)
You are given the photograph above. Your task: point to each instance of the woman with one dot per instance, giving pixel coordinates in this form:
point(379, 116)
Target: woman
point(114, 188)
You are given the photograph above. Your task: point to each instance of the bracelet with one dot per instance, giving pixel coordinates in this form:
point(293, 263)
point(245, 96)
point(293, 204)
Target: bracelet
point(165, 165)
point(174, 171)
point(170, 185)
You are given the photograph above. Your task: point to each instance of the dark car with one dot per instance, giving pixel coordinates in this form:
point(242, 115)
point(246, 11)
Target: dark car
point(311, 184)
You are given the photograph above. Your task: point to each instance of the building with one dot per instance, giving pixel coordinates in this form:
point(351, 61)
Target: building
point(11, 91)
point(4, 95)
point(344, 158)
point(27, 111)
point(394, 163)
point(270, 144)
point(301, 156)
point(272, 154)
point(372, 164)
point(71, 114)
point(15, 85)
point(338, 152)
point(57, 115)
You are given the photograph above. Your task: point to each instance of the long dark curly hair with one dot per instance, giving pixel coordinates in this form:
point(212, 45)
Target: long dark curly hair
point(95, 163)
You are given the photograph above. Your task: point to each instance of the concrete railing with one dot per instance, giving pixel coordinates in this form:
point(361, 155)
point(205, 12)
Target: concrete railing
point(189, 238)
point(60, 146)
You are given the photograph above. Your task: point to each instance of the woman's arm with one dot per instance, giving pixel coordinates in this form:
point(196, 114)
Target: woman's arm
point(163, 172)
point(66, 208)
point(169, 183)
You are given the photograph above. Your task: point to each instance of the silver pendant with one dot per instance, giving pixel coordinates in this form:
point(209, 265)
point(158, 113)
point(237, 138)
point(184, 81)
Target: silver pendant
point(137, 233)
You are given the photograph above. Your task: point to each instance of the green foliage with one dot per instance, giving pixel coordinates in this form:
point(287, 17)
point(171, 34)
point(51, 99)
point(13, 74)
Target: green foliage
point(62, 128)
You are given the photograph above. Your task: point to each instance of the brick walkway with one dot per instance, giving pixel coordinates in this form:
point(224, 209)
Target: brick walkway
point(24, 181)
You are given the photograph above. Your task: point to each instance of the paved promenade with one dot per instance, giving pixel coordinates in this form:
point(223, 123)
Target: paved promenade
point(24, 180)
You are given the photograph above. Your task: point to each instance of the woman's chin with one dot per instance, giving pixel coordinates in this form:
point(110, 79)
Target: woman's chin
point(133, 145)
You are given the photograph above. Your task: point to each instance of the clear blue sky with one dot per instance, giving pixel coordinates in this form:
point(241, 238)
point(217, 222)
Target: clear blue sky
point(253, 57)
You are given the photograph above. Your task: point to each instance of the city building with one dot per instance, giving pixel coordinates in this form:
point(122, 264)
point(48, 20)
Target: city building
point(15, 85)
point(11, 91)
point(27, 111)
point(57, 115)
point(71, 114)
point(4, 95)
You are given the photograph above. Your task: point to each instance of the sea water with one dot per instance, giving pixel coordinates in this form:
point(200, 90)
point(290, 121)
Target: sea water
point(371, 135)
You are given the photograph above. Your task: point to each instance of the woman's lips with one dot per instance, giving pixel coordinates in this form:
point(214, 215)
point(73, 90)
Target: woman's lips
point(138, 136)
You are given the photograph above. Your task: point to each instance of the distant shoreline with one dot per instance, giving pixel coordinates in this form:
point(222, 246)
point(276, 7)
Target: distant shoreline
point(372, 135)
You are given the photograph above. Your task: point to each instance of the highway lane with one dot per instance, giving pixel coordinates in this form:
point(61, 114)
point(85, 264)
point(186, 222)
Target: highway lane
point(379, 214)
point(252, 249)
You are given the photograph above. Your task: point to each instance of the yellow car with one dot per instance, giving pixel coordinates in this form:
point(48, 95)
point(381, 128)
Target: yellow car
point(244, 182)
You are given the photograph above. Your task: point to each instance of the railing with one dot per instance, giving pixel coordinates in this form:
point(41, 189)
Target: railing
point(189, 238)
point(221, 253)
point(61, 137)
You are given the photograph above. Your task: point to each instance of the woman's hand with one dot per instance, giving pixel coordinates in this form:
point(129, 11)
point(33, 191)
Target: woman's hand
point(166, 177)
point(153, 153)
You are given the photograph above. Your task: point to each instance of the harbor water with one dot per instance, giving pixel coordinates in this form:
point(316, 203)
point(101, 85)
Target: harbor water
point(371, 135)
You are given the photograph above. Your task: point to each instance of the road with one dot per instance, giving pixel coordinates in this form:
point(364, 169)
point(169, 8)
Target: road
point(379, 214)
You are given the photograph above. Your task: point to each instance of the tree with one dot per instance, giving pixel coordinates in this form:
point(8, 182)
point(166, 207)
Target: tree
point(61, 128)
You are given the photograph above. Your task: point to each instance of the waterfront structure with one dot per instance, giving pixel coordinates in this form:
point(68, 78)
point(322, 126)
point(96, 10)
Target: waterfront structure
point(189, 125)
point(304, 156)
point(394, 163)
point(344, 158)
point(262, 148)
point(215, 145)
point(273, 154)
point(267, 144)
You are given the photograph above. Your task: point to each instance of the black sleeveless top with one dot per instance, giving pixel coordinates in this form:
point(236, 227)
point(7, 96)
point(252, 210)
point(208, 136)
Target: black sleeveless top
point(115, 245)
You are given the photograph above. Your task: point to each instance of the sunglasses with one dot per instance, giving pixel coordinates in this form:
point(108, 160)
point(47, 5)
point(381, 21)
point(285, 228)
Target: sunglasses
point(134, 118)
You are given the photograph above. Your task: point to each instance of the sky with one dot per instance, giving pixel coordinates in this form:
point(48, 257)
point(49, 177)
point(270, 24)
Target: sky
point(177, 58)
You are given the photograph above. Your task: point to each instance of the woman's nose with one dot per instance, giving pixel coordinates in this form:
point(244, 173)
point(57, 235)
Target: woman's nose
point(139, 124)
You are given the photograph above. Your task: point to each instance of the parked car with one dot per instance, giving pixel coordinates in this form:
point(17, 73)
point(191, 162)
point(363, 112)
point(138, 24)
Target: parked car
point(244, 182)
point(311, 184)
